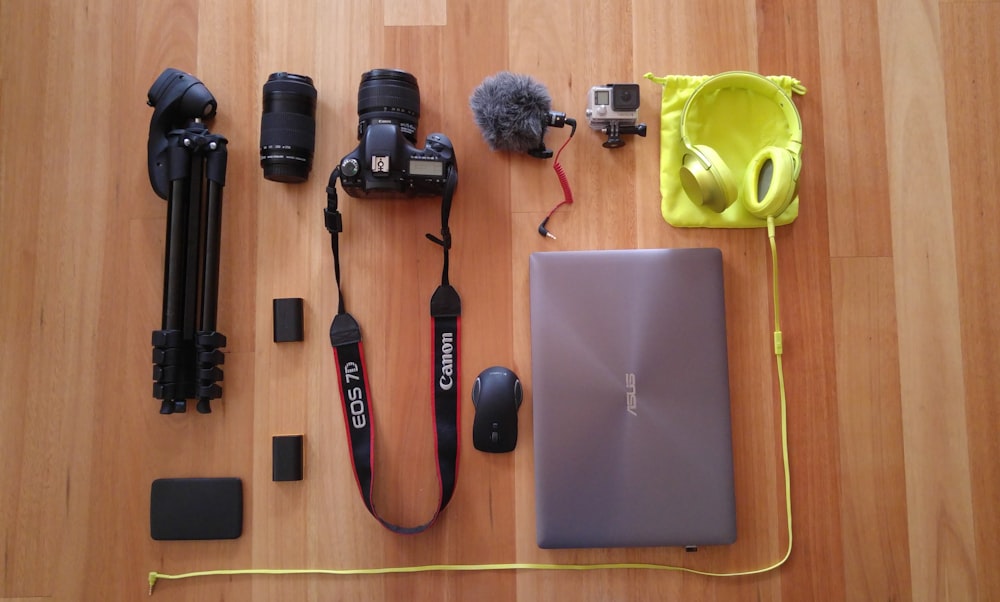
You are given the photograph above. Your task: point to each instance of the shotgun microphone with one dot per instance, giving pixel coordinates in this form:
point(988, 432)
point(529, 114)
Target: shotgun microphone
point(512, 111)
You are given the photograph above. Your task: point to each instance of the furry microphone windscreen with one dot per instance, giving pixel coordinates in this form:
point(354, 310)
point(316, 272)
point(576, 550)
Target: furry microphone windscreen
point(511, 110)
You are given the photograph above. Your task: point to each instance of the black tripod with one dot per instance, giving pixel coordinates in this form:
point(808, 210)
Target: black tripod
point(187, 167)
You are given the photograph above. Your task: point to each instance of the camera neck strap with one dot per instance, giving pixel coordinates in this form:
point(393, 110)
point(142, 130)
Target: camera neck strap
point(355, 393)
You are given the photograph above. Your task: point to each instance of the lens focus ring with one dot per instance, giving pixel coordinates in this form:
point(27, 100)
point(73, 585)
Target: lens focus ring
point(390, 94)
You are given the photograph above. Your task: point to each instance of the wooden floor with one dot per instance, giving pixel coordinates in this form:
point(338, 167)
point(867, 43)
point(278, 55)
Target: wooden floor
point(889, 289)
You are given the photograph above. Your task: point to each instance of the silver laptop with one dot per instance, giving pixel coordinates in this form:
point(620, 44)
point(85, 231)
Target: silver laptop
point(630, 396)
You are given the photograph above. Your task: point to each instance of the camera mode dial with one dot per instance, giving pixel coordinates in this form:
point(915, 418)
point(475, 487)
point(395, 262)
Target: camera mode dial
point(349, 167)
point(439, 142)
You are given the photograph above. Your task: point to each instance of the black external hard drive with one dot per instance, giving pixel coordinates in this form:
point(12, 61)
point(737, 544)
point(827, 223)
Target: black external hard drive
point(184, 509)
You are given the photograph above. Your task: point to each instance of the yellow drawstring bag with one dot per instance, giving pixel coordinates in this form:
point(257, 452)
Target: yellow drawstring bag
point(736, 115)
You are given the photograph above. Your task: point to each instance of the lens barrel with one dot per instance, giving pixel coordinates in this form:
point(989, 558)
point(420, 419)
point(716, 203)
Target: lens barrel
point(389, 94)
point(625, 97)
point(288, 127)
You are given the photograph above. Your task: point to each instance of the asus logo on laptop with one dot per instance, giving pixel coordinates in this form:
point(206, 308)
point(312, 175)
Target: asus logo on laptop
point(630, 400)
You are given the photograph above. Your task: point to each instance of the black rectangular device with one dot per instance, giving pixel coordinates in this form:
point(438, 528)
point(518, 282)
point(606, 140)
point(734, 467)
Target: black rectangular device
point(196, 508)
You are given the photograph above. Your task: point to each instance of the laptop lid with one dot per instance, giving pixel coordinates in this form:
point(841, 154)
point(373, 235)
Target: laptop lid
point(630, 390)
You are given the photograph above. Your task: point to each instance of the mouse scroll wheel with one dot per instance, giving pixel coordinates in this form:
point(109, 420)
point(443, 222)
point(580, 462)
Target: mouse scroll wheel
point(495, 436)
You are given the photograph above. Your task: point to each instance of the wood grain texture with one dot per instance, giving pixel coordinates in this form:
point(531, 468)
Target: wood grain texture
point(888, 289)
point(968, 44)
point(871, 433)
point(853, 119)
point(938, 481)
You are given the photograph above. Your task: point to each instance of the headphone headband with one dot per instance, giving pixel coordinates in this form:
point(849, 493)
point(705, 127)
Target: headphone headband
point(754, 82)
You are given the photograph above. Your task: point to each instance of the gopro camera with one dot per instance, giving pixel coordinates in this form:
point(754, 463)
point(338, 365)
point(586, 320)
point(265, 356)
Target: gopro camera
point(614, 110)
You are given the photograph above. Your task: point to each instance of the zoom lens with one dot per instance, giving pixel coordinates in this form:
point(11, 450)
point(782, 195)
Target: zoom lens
point(389, 94)
point(288, 127)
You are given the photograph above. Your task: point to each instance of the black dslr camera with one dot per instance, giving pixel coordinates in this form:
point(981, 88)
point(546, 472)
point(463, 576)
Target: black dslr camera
point(386, 163)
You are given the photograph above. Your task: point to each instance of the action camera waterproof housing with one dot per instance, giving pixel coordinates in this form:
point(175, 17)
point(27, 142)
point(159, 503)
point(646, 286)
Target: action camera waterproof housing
point(614, 110)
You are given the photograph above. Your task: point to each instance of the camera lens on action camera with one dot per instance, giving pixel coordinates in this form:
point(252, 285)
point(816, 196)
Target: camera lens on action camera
point(626, 97)
point(288, 127)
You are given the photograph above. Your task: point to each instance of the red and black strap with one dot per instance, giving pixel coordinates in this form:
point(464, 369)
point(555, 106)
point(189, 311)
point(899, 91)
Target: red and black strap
point(355, 393)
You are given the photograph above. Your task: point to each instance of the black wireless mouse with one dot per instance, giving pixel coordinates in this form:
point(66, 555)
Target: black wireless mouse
point(496, 396)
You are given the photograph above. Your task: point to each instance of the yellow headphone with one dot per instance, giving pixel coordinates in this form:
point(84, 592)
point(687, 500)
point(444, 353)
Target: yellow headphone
point(771, 179)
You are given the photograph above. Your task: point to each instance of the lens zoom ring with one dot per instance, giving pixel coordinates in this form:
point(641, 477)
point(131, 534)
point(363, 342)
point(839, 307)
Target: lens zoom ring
point(288, 128)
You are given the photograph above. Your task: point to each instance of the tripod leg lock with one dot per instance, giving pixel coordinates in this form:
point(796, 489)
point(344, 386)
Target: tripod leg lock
point(210, 341)
point(169, 360)
point(209, 373)
point(186, 368)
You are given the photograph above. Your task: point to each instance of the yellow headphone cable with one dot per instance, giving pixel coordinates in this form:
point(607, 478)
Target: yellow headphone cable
point(529, 566)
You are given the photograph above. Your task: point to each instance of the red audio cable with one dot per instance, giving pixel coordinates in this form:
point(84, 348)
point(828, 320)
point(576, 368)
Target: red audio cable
point(567, 192)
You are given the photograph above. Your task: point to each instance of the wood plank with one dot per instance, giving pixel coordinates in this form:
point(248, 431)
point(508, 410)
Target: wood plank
point(424, 12)
point(26, 570)
point(56, 301)
point(870, 419)
point(853, 122)
point(938, 481)
point(969, 42)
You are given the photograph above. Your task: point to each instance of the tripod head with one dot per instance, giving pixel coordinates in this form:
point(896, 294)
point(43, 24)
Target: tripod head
point(177, 98)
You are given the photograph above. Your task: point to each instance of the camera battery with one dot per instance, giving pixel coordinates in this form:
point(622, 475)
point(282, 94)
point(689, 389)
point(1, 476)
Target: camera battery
point(287, 320)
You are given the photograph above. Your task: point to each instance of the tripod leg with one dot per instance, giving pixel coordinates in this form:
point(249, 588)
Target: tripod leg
point(170, 351)
point(195, 236)
point(208, 339)
point(174, 272)
point(210, 272)
point(168, 343)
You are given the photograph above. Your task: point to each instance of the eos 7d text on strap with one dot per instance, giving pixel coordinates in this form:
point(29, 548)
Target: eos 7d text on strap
point(355, 393)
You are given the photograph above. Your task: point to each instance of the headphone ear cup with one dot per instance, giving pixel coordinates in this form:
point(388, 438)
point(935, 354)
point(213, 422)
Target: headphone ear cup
point(711, 187)
point(770, 183)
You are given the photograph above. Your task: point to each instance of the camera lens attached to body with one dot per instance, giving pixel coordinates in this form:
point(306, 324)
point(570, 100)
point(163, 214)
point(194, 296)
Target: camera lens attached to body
point(389, 94)
point(288, 127)
point(386, 162)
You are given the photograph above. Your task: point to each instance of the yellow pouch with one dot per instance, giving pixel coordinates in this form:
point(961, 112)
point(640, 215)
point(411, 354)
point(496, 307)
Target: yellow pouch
point(737, 123)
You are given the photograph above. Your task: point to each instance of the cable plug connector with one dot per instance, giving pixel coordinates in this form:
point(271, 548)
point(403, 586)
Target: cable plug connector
point(572, 124)
point(543, 231)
